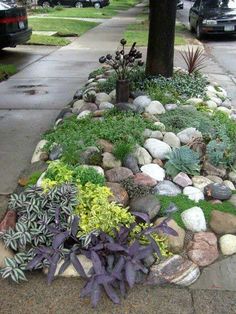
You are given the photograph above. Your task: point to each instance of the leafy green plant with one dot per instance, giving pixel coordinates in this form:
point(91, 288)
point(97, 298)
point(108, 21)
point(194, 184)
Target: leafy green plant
point(85, 175)
point(194, 59)
point(75, 135)
point(34, 178)
point(97, 213)
point(122, 149)
point(97, 72)
point(183, 159)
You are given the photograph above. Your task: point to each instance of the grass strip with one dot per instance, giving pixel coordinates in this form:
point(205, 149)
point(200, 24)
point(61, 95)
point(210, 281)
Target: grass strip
point(6, 70)
point(45, 40)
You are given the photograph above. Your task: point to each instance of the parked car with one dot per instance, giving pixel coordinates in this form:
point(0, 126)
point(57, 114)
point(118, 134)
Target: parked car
point(74, 3)
point(11, 3)
point(180, 5)
point(13, 26)
point(213, 17)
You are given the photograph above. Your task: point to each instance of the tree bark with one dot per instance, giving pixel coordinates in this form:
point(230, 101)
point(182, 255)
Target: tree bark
point(160, 53)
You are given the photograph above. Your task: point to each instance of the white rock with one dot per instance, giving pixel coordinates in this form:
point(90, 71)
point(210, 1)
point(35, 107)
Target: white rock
point(109, 161)
point(229, 184)
point(182, 179)
point(97, 168)
point(142, 101)
point(83, 114)
point(188, 134)
point(227, 103)
point(211, 89)
point(156, 134)
point(211, 104)
point(71, 271)
point(193, 194)
point(157, 148)
point(194, 101)
point(228, 244)
point(217, 100)
point(142, 155)
point(222, 90)
point(214, 179)
point(225, 110)
point(171, 139)
point(40, 179)
point(106, 105)
point(160, 125)
point(194, 219)
point(155, 107)
point(38, 151)
point(154, 171)
point(200, 182)
point(113, 96)
point(102, 97)
point(232, 176)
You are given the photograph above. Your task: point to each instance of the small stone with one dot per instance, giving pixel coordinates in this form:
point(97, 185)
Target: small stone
point(144, 179)
point(175, 243)
point(229, 184)
point(129, 107)
point(71, 271)
point(170, 107)
point(78, 94)
point(106, 146)
point(200, 182)
point(194, 101)
point(56, 152)
point(182, 179)
point(215, 179)
point(148, 204)
point(142, 101)
point(218, 191)
point(38, 151)
point(156, 134)
point(91, 156)
point(193, 194)
point(106, 105)
point(83, 114)
point(102, 97)
point(158, 162)
point(8, 221)
point(109, 161)
point(228, 244)
point(217, 100)
point(211, 104)
point(112, 94)
point(194, 219)
point(155, 107)
point(142, 155)
point(157, 148)
point(160, 126)
point(174, 270)
point(4, 253)
point(154, 171)
point(227, 103)
point(171, 139)
point(118, 174)
point(232, 176)
point(149, 117)
point(232, 200)
point(99, 114)
point(120, 196)
point(202, 250)
point(189, 134)
point(214, 171)
point(168, 188)
point(23, 181)
point(131, 162)
point(222, 223)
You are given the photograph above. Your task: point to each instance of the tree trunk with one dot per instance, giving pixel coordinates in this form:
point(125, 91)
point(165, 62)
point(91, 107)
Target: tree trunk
point(160, 53)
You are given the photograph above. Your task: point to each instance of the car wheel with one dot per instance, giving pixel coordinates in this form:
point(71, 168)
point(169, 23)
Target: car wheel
point(78, 4)
point(97, 5)
point(46, 4)
point(199, 34)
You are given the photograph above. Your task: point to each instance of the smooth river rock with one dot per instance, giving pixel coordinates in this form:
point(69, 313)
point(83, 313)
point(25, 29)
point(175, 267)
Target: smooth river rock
point(148, 204)
point(228, 244)
point(157, 148)
point(194, 219)
point(168, 188)
point(154, 171)
point(222, 223)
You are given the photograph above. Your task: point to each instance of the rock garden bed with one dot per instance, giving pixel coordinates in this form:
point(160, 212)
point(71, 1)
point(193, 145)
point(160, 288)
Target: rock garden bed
point(142, 191)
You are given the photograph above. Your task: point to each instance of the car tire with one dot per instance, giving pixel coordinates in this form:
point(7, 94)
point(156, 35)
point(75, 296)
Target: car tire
point(78, 4)
point(97, 5)
point(46, 4)
point(199, 34)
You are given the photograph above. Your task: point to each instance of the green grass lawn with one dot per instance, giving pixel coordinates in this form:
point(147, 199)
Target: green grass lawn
point(63, 26)
point(6, 70)
point(138, 32)
point(107, 12)
point(47, 40)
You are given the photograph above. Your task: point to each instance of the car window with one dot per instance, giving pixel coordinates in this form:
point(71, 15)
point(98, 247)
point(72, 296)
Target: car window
point(215, 4)
point(4, 6)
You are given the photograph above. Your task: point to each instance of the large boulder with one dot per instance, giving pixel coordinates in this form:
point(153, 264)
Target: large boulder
point(118, 174)
point(222, 223)
point(157, 148)
point(194, 219)
point(202, 250)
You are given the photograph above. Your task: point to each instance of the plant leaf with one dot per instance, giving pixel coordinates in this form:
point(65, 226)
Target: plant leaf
point(111, 293)
point(130, 273)
point(77, 265)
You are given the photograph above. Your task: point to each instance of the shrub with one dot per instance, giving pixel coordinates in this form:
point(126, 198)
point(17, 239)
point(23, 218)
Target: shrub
point(97, 213)
point(183, 159)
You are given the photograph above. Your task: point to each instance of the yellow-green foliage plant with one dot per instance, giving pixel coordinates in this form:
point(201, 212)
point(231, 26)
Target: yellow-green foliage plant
point(97, 213)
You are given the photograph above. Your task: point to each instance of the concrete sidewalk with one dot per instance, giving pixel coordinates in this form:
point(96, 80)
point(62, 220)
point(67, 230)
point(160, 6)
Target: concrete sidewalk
point(31, 99)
